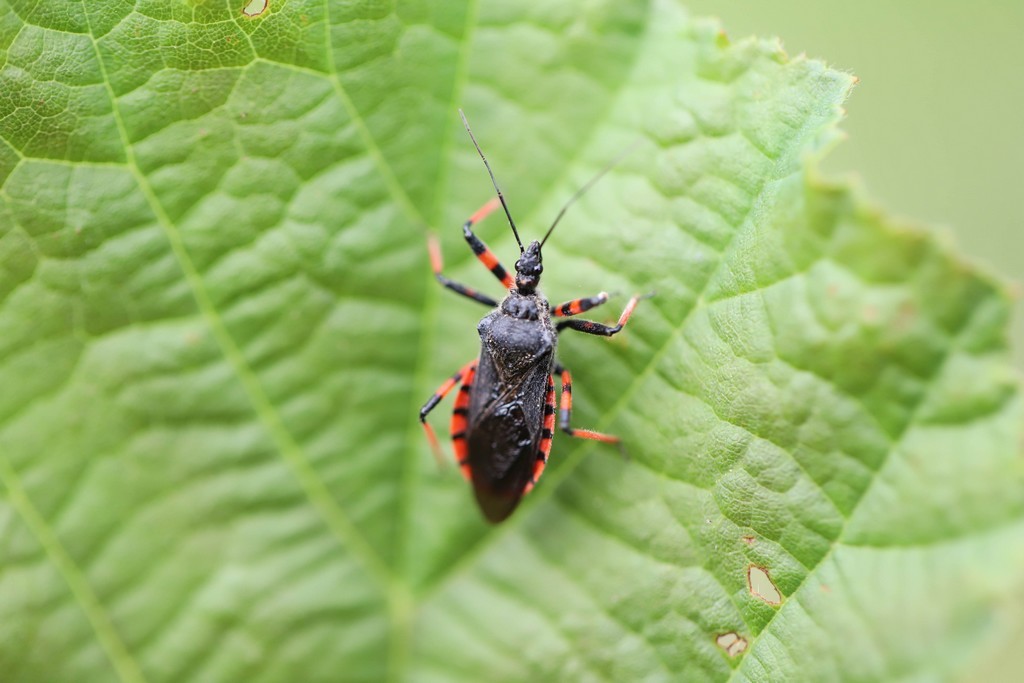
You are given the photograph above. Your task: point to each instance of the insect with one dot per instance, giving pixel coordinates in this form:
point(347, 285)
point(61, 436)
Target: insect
point(504, 416)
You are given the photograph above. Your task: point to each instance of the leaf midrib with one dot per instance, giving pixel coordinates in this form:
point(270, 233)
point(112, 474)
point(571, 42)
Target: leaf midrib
point(434, 292)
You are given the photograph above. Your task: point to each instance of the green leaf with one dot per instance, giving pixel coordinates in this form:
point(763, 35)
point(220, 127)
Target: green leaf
point(218, 323)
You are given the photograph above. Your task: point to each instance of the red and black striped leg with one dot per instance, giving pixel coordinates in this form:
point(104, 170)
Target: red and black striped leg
point(545, 436)
point(467, 371)
point(436, 263)
point(577, 306)
point(591, 327)
point(460, 420)
point(565, 415)
point(469, 292)
point(485, 255)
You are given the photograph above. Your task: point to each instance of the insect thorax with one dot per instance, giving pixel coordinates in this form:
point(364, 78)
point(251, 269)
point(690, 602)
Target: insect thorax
point(519, 333)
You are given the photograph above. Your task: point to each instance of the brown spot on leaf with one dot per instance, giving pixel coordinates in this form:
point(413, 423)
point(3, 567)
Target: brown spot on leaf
point(749, 540)
point(732, 643)
point(255, 8)
point(762, 586)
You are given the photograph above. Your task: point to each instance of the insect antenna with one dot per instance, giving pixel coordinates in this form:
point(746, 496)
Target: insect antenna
point(494, 182)
point(586, 186)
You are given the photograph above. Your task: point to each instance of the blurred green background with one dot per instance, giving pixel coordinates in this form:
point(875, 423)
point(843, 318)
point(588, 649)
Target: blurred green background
point(936, 125)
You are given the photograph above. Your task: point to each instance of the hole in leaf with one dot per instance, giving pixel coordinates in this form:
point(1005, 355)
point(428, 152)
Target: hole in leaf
point(732, 643)
point(255, 8)
point(761, 585)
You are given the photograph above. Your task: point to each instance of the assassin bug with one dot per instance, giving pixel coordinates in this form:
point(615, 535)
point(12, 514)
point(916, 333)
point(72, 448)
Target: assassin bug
point(504, 416)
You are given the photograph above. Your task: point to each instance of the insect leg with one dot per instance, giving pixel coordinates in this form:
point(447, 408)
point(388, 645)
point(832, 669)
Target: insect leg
point(467, 370)
point(577, 306)
point(460, 420)
point(545, 436)
point(436, 263)
point(565, 415)
point(591, 327)
point(485, 255)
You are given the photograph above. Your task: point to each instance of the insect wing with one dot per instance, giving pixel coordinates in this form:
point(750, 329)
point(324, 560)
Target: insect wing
point(504, 440)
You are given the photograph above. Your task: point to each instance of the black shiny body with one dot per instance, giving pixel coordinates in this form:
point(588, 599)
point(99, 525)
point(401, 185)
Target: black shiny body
point(506, 408)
